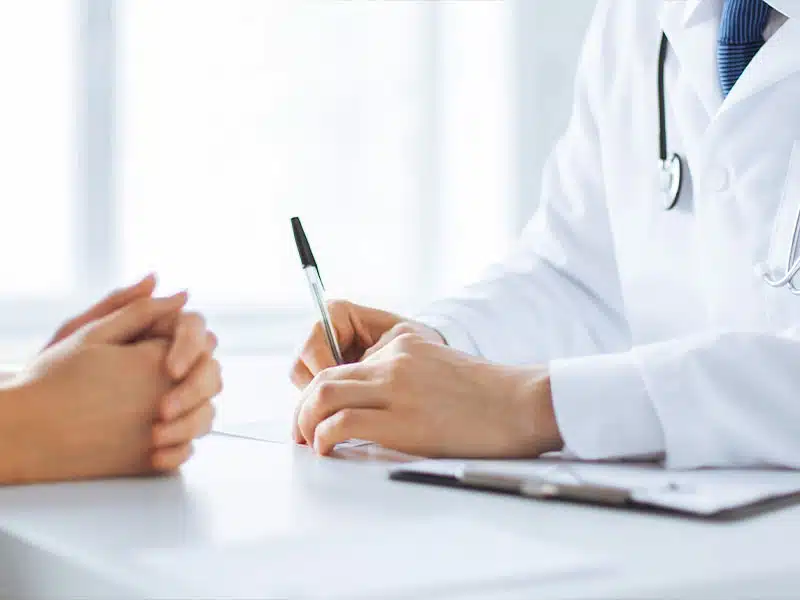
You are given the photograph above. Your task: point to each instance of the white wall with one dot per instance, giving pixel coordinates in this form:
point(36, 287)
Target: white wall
point(548, 37)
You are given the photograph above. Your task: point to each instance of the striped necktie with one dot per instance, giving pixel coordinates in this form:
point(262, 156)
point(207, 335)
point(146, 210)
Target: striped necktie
point(741, 35)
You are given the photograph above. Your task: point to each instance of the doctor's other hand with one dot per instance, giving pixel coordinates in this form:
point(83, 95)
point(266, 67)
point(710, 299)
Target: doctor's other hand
point(360, 331)
point(89, 402)
point(427, 399)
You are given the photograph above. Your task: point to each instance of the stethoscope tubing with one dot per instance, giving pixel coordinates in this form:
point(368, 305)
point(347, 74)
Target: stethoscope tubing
point(793, 261)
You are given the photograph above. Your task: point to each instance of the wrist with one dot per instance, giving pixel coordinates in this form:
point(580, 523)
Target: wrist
point(22, 435)
point(534, 399)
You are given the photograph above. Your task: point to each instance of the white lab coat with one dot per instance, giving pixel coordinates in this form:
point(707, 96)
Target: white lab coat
point(661, 337)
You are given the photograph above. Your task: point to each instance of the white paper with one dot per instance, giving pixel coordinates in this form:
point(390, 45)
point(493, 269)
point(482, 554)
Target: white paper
point(704, 492)
point(272, 430)
point(405, 557)
point(265, 430)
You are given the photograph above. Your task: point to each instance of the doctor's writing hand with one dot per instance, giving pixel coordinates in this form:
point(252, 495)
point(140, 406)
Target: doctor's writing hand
point(361, 331)
point(92, 398)
point(187, 409)
point(426, 399)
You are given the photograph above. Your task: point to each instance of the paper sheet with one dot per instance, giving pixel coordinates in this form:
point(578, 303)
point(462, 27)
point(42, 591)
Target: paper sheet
point(398, 557)
point(271, 430)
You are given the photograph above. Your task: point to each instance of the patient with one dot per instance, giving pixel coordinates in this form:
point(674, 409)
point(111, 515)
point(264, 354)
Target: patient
point(122, 389)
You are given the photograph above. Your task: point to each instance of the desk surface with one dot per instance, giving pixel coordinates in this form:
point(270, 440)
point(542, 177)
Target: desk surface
point(83, 539)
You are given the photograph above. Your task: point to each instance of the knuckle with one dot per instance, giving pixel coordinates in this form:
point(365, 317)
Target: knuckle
point(194, 322)
point(220, 387)
point(338, 305)
point(297, 372)
point(324, 376)
point(205, 418)
point(407, 341)
point(212, 340)
point(219, 380)
point(197, 318)
point(405, 328)
point(304, 422)
point(345, 419)
point(325, 395)
point(399, 367)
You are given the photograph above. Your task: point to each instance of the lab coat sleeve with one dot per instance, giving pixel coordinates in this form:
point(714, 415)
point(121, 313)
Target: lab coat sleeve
point(557, 293)
point(722, 399)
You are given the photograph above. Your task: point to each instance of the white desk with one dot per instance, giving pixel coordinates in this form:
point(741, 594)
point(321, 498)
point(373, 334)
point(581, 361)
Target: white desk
point(82, 540)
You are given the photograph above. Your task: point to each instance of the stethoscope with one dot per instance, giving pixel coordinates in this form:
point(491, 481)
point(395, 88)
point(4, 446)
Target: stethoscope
point(792, 265)
point(670, 167)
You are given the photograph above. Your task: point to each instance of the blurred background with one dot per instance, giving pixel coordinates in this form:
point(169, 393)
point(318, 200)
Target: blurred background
point(179, 136)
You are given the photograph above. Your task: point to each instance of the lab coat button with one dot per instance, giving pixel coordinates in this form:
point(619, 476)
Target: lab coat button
point(718, 179)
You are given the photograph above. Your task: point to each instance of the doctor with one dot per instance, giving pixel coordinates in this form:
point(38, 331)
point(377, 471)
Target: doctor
point(640, 315)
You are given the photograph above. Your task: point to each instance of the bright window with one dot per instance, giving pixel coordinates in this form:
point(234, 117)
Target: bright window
point(37, 143)
point(238, 115)
point(181, 135)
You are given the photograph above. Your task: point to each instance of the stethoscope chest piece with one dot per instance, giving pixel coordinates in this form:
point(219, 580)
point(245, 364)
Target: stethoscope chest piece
point(671, 178)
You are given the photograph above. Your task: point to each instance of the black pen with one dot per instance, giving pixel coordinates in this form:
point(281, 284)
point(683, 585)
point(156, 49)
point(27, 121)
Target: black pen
point(317, 289)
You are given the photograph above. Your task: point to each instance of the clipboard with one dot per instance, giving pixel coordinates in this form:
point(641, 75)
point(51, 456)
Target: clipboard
point(709, 495)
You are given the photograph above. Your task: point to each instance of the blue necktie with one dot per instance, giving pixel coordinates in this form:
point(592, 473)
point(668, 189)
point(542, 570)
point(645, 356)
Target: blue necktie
point(741, 35)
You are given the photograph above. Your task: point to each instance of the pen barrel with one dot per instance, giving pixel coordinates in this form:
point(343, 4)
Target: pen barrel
point(318, 294)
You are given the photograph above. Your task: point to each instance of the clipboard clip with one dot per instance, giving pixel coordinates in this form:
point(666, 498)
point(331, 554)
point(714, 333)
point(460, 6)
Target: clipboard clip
point(543, 489)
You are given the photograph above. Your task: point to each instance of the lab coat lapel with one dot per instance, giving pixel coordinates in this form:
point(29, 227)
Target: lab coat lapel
point(691, 29)
point(778, 59)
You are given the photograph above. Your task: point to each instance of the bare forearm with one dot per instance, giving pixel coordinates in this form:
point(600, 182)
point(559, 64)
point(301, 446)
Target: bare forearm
point(20, 430)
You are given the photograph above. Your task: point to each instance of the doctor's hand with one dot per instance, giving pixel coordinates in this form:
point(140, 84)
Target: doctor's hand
point(427, 399)
point(189, 361)
point(360, 331)
point(88, 402)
